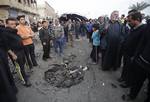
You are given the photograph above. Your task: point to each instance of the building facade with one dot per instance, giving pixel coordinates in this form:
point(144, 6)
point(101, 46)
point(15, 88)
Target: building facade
point(45, 10)
point(13, 8)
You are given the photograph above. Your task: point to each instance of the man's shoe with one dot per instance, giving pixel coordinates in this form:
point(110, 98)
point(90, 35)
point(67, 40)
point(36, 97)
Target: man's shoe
point(27, 84)
point(147, 100)
point(127, 98)
point(114, 69)
point(35, 65)
point(120, 80)
point(44, 59)
point(94, 63)
point(31, 70)
point(49, 57)
point(124, 85)
point(104, 69)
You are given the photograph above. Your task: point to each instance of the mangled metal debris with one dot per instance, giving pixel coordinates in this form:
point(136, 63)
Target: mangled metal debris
point(62, 77)
point(65, 75)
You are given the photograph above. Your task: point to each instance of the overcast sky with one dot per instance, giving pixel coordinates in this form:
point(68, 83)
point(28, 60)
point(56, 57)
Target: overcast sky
point(93, 8)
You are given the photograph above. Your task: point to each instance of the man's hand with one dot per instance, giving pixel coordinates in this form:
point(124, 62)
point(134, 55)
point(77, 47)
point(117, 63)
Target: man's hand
point(25, 37)
point(14, 57)
point(44, 43)
point(51, 41)
point(32, 35)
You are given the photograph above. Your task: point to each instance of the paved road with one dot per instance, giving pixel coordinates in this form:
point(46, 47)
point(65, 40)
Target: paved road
point(96, 87)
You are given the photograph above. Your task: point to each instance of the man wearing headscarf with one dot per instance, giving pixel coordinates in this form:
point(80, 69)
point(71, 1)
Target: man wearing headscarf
point(102, 32)
point(114, 38)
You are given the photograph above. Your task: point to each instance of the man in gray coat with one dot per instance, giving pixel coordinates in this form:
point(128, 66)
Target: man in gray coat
point(114, 37)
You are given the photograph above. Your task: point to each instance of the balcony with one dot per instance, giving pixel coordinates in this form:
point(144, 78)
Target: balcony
point(4, 3)
point(19, 6)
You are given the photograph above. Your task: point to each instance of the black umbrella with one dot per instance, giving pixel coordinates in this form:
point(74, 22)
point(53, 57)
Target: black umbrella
point(76, 17)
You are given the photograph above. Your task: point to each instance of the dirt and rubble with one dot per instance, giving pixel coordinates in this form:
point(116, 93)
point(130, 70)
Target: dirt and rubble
point(97, 86)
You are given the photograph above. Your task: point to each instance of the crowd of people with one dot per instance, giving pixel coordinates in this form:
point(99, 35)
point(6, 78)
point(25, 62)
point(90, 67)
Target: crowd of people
point(121, 41)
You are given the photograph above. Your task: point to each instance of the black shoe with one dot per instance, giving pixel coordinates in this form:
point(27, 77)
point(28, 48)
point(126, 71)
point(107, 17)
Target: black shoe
point(120, 80)
point(49, 57)
point(124, 85)
point(27, 84)
point(114, 69)
point(147, 100)
point(31, 71)
point(127, 98)
point(45, 59)
point(103, 69)
point(35, 65)
point(30, 66)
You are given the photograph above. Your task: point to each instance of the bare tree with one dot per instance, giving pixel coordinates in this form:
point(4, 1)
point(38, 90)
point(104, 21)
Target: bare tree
point(140, 6)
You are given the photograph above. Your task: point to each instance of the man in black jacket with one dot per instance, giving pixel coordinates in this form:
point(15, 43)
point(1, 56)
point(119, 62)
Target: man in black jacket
point(142, 59)
point(8, 88)
point(136, 74)
point(16, 47)
point(45, 37)
point(126, 60)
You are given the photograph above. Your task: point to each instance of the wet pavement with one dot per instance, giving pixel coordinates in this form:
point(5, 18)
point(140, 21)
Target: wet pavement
point(97, 86)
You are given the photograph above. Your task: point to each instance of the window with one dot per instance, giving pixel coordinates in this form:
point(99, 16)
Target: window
point(28, 2)
point(32, 1)
point(35, 1)
point(19, 1)
point(25, 2)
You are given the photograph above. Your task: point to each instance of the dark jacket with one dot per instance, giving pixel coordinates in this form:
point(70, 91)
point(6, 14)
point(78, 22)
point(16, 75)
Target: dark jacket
point(142, 56)
point(3, 39)
point(14, 40)
point(10, 39)
point(102, 32)
point(113, 44)
point(115, 31)
point(45, 34)
point(7, 86)
point(132, 41)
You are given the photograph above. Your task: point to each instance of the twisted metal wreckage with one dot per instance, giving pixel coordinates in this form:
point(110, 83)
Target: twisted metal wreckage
point(65, 75)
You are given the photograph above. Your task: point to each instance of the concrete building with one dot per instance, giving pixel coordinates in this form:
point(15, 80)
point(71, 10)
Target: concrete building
point(45, 10)
point(13, 8)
